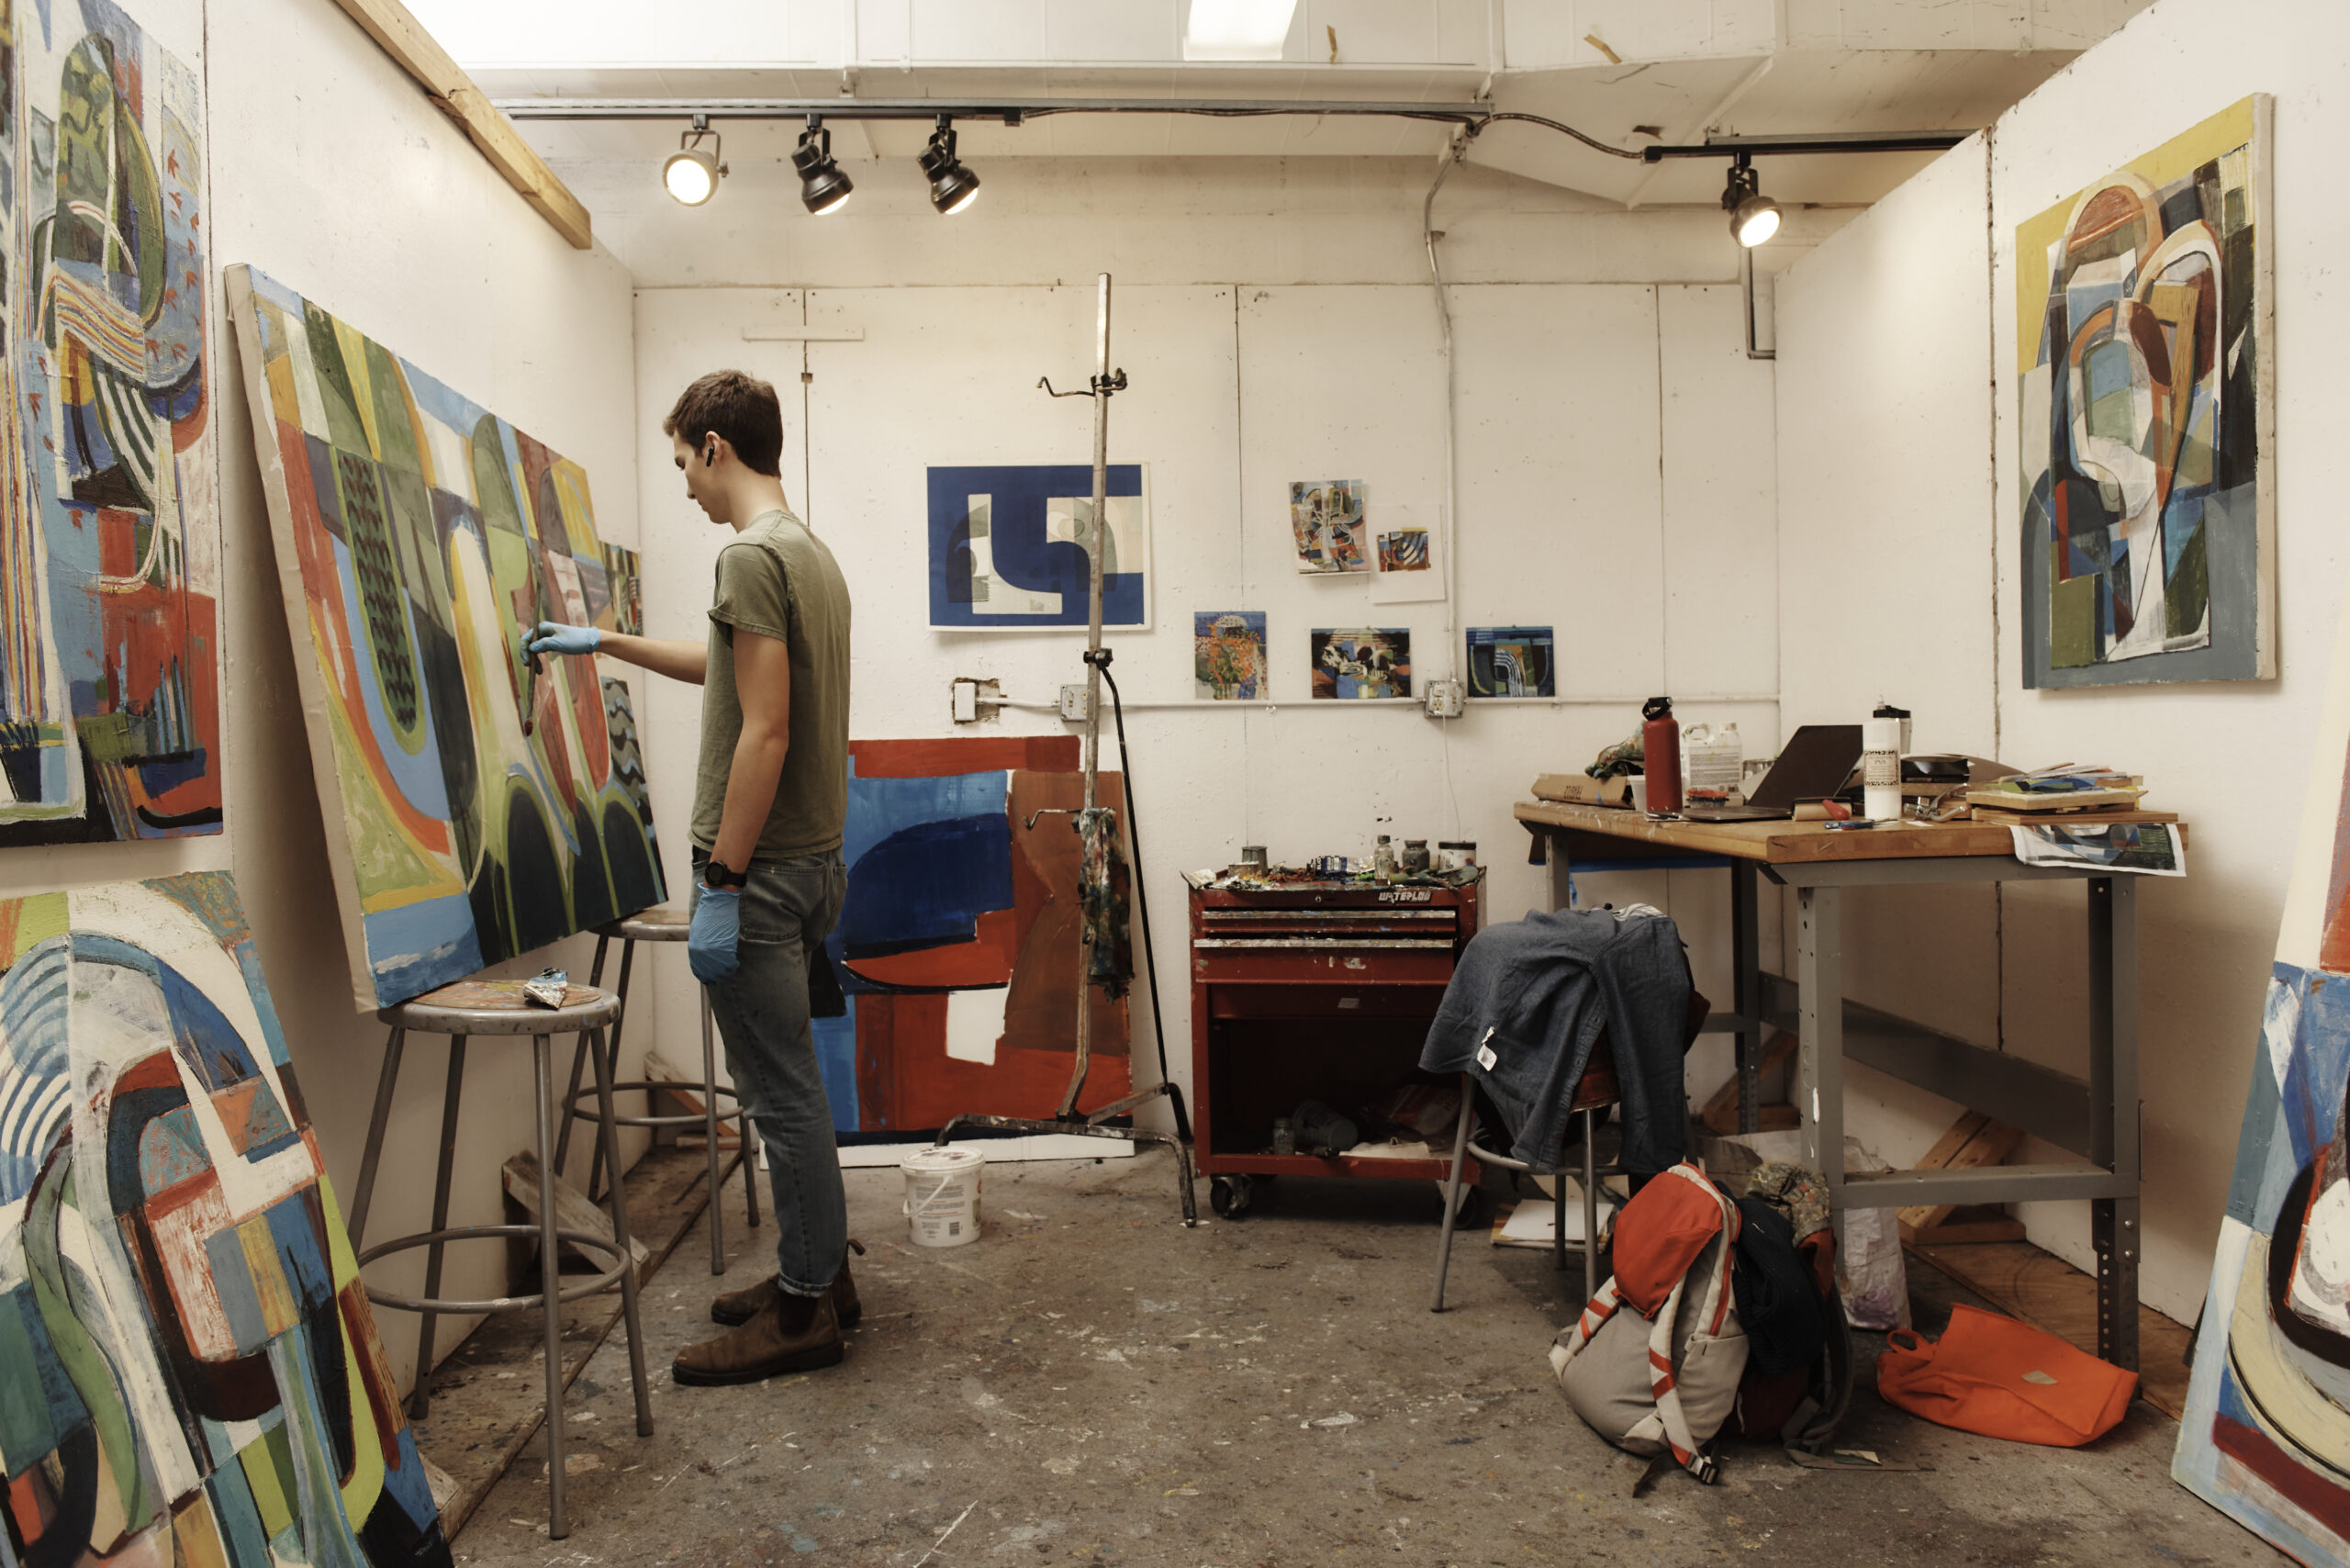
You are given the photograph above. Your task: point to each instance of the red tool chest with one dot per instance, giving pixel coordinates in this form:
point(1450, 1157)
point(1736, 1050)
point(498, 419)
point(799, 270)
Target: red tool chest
point(1312, 990)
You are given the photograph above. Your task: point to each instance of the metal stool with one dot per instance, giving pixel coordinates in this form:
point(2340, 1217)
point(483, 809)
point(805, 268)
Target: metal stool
point(669, 922)
point(1594, 1094)
point(499, 1008)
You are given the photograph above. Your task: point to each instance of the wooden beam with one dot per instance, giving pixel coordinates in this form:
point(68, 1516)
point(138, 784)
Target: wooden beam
point(454, 93)
point(1972, 1141)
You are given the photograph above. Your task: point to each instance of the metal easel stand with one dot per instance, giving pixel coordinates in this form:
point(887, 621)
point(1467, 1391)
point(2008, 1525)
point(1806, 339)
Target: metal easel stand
point(1098, 826)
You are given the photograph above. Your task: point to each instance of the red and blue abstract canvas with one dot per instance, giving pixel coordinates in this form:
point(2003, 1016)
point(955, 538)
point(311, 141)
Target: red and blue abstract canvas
point(958, 945)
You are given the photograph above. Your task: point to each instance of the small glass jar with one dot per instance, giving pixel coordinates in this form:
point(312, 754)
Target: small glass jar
point(1284, 1136)
point(1415, 857)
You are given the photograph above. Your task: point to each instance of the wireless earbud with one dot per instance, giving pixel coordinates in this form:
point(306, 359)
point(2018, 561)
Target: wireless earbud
point(710, 456)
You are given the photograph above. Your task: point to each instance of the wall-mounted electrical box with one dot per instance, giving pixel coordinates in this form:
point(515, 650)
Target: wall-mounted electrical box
point(1073, 704)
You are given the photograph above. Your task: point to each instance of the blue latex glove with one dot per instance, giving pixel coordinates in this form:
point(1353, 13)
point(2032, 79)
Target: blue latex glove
point(554, 637)
point(718, 928)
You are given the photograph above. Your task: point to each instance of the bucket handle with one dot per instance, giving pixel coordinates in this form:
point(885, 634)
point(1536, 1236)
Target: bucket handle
point(922, 1207)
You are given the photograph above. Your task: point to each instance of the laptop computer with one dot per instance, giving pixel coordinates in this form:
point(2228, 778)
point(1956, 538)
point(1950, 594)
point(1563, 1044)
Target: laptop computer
point(1812, 765)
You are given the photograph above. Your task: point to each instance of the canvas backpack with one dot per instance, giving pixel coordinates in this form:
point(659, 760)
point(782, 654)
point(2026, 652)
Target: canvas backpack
point(1653, 1364)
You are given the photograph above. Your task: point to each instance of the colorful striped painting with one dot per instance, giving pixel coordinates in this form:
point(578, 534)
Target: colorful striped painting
point(190, 1368)
point(109, 532)
point(479, 803)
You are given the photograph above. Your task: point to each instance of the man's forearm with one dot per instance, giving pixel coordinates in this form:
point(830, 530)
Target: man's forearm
point(751, 783)
point(688, 661)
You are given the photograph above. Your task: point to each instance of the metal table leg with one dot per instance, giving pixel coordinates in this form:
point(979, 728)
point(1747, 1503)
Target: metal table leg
point(1819, 1082)
point(2114, 1111)
point(1556, 871)
point(1746, 990)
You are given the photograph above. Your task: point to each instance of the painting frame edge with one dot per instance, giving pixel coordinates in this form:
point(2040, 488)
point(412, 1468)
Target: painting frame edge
point(341, 866)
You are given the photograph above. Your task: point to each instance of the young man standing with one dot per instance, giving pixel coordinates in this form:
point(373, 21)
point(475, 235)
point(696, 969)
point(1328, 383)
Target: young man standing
point(770, 798)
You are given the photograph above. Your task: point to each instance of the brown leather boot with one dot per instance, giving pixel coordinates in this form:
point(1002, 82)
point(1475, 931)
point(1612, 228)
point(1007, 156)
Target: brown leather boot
point(789, 1333)
point(738, 1306)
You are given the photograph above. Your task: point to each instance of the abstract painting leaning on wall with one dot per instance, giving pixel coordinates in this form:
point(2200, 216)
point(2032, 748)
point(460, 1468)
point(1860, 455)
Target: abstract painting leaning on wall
point(189, 1370)
point(109, 532)
point(479, 803)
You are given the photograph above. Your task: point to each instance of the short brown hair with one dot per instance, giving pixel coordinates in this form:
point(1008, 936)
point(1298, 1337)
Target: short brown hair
point(741, 407)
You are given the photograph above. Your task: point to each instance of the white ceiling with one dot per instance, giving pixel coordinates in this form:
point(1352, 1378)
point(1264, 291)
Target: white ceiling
point(1688, 67)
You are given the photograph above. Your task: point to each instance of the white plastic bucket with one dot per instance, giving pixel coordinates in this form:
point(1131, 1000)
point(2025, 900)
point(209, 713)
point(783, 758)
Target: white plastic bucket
point(943, 1195)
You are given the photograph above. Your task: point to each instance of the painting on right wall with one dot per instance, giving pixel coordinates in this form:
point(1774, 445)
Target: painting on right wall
point(2145, 340)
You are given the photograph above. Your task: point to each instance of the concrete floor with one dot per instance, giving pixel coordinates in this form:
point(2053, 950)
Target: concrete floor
point(1090, 1383)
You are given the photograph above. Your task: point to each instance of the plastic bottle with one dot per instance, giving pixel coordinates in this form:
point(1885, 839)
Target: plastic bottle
point(1660, 751)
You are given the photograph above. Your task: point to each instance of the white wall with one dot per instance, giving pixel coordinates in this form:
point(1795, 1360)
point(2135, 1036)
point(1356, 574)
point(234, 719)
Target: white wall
point(1615, 460)
point(1890, 344)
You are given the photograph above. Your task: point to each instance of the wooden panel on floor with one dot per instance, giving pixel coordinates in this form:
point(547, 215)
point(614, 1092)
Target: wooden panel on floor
point(2044, 1291)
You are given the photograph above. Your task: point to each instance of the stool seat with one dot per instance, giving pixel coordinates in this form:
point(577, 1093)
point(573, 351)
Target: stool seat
point(662, 922)
point(501, 1007)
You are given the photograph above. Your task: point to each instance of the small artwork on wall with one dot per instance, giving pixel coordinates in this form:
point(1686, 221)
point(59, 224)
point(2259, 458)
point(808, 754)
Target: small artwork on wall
point(1409, 553)
point(1009, 551)
point(1228, 655)
point(1511, 661)
point(1326, 516)
point(2146, 342)
point(1362, 664)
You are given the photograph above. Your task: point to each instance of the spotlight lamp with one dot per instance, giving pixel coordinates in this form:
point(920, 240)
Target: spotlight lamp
point(823, 187)
point(692, 174)
point(1753, 216)
point(953, 187)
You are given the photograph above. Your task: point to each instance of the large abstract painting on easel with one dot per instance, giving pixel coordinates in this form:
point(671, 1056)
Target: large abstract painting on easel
point(477, 806)
point(189, 1369)
point(958, 947)
point(2267, 1433)
point(109, 530)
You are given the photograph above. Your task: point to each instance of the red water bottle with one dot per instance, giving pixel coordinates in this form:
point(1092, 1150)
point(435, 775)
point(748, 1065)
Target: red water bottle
point(1661, 749)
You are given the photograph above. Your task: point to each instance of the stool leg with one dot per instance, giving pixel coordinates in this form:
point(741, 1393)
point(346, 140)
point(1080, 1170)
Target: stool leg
point(1590, 1204)
point(607, 1073)
point(364, 1193)
point(710, 1138)
point(746, 1155)
point(596, 1164)
point(419, 1401)
point(571, 1103)
point(1452, 1192)
point(551, 1287)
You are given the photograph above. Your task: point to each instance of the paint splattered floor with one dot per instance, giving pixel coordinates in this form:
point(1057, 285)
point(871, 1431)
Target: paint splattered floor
point(1093, 1384)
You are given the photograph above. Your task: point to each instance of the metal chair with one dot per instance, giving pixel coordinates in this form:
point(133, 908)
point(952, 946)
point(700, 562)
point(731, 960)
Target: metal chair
point(498, 1009)
point(1594, 1094)
point(669, 922)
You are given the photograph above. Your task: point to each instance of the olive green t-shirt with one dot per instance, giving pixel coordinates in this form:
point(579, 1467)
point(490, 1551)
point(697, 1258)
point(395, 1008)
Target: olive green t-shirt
point(777, 579)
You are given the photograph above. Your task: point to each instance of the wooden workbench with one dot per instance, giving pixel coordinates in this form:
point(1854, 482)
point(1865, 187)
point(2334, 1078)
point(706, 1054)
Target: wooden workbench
point(2097, 1119)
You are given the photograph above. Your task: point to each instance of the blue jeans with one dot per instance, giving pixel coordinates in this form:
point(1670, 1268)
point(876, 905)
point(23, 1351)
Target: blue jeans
point(788, 907)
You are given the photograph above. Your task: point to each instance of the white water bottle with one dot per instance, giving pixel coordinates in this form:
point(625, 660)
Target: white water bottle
point(1881, 770)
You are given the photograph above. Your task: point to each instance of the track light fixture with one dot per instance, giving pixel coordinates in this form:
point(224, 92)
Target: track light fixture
point(823, 187)
point(691, 174)
point(952, 186)
point(1753, 216)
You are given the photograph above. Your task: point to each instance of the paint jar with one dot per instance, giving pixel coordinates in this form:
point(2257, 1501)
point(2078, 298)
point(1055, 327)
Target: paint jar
point(1330, 866)
point(1382, 859)
point(942, 1202)
point(1253, 854)
point(1456, 855)
point(1284, 1136)
point(1414, 859)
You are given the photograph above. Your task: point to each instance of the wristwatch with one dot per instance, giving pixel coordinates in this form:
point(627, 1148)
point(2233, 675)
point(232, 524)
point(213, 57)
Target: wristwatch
point(715, 874)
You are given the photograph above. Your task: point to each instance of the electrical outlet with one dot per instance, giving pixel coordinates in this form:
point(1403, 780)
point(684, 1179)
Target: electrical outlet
point(1073, 706)
point(966, 700)
point(1445, 699)
point(976, 699)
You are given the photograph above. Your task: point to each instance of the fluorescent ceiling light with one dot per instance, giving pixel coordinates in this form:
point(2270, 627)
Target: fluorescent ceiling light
point(1238, 29)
